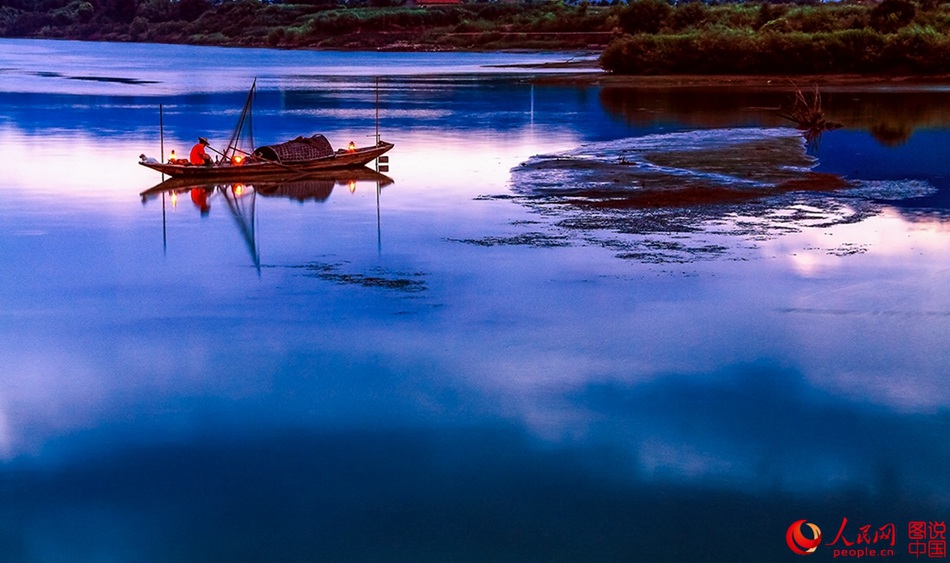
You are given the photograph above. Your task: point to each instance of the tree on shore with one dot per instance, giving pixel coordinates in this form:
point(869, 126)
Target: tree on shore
point(644, 36)
point(644, 16)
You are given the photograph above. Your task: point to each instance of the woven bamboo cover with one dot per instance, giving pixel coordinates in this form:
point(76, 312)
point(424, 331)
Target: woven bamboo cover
point(298, 150)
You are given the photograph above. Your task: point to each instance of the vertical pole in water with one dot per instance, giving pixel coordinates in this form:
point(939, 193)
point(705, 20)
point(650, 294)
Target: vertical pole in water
point(532, 104)
point(250, 116)
point(377, 112)
point(164, 228)
point(379, 231)
point(161, 135)
point(161, 142)
point(161, 131)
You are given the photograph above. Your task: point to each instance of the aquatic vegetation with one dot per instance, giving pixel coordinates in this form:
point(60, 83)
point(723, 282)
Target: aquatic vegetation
point(729, 164)
point(535, 239)
point(670, 198)
point(377, 278)
point(806, 112)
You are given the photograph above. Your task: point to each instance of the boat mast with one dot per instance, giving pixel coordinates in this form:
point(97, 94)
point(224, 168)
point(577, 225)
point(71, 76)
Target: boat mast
point(245, 116)
point(161, 132)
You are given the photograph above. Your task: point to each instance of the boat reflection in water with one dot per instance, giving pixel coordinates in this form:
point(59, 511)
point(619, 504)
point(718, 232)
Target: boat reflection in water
point(241, 196)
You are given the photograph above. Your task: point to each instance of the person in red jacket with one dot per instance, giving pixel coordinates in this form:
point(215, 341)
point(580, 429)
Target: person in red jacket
point(198, 155)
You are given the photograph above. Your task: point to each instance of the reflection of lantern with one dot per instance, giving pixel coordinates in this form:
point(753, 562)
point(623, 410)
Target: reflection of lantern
point(352, 146)
point(352, 186)
point(174, 199)
point(237, 160)
point(238, 189)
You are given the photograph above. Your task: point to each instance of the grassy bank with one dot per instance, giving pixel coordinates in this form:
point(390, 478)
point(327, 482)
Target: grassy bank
point(640, 37)
point(912, 51)
point(286, 25)
point(895, 36)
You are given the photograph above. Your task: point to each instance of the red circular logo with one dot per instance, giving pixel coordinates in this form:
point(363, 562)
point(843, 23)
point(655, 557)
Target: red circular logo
point(797, 541)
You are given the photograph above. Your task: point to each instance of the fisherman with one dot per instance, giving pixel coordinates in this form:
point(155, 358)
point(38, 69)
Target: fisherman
point(198, 155)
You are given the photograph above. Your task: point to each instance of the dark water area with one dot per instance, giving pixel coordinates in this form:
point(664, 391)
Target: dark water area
point(568, 323)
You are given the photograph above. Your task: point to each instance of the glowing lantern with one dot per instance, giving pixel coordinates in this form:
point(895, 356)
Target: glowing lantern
point(238, 160)
point(172, 157)
point(352, 147)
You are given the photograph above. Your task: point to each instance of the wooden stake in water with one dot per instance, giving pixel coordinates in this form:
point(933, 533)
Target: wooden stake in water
point(161, 144)
point(161, 132)
point(377, 111)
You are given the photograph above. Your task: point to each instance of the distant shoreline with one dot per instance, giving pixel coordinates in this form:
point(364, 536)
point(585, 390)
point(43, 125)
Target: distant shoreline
point(748, 81)
point(636, 38)
point(590, 73)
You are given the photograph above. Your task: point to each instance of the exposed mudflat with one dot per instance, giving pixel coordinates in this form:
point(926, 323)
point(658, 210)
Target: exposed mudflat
point(696, 195)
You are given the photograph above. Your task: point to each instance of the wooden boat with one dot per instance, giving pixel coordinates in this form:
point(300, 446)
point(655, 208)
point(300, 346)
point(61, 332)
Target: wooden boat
point(302, 187)
point(256, 164)
point(295, 157)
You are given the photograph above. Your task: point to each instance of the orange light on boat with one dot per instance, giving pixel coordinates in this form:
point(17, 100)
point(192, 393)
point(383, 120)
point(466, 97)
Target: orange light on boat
point(172, 157)
point(352, 147)
point(237, 160)
point(352, 186)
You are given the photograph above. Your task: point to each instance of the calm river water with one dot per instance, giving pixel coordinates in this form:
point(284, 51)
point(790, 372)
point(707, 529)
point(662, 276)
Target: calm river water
point(570, 323)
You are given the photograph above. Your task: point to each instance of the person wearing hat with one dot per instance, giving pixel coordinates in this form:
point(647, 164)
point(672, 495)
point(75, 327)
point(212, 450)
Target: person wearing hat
point(198, 155)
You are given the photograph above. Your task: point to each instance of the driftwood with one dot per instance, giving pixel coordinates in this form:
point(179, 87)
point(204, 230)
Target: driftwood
point(807, 114)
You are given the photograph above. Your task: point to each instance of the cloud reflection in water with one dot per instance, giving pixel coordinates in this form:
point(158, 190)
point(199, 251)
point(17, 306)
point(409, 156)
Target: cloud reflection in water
point(538, 399)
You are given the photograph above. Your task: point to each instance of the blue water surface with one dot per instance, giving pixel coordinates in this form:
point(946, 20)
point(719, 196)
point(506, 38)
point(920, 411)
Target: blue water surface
point(441, 366)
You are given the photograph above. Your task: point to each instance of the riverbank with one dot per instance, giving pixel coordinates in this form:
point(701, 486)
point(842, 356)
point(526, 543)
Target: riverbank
point(642, 37)
point(747, 81)
point(355, 26)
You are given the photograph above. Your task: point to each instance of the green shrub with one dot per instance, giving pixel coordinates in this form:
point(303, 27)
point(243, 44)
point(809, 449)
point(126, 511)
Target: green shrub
point(693, 37)
point(138, 28)
point(919, 50)
point(276, 37)
point(28, 23)
point(891, 15)
point(914, 49)
point(689, 15)
point(645, 16)
point(768, 12)
point(334, 22)
point(739, 16)
point(191, 10)
point(812, 19)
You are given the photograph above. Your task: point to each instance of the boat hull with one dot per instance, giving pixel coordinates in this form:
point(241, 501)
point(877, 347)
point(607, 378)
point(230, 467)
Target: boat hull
point(339, 160)
point(266, 185)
